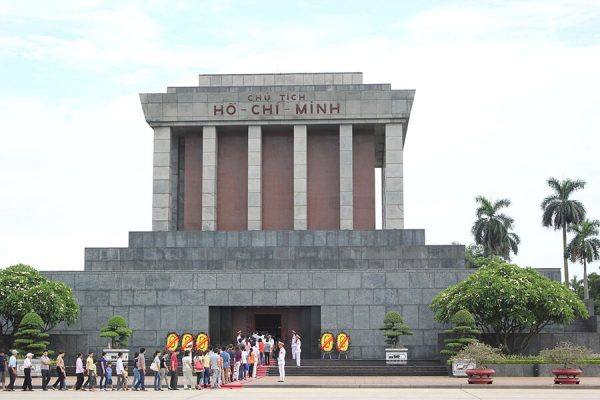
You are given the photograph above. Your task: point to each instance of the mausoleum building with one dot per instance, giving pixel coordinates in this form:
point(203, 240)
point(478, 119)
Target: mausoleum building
point(263, 218)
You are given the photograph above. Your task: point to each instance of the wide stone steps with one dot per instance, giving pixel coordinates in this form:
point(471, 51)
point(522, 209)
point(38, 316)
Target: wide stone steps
point(359, 368)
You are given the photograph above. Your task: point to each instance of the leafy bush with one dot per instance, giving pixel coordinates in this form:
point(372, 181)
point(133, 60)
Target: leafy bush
point(24, 289)
point(30, 335)
point(507, 300)
point(394, 327)
point(117, 330)
point(462, 334)
point(482, 354)
point(567, 354)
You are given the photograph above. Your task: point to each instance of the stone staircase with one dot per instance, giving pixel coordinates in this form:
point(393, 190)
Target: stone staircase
point(360, 368)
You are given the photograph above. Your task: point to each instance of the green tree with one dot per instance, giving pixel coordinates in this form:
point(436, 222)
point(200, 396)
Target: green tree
point(117, 330)
point(509, 303)
point(30, 337)
point(24, 289)
point(594, 288)
point(462, 334)
point(474, 256)
point(559, 211)
point(492, 228)
point(584, 247)
point(394, 327)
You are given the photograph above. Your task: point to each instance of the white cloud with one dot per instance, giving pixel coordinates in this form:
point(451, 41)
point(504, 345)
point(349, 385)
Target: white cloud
point(506, 96)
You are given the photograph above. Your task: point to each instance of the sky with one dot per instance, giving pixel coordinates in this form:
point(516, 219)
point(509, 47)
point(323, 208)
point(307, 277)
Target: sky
point(507, 95)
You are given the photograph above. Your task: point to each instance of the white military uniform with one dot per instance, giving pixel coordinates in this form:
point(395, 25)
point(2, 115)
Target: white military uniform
point(298, 351)
point(293, 346)
point(281, 364)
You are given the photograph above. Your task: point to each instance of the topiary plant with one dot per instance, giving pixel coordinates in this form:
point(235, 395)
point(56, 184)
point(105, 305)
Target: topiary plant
point(566, 354)
point(30, 335)
point(394, 327)
point(117, 330)
point(462, 334)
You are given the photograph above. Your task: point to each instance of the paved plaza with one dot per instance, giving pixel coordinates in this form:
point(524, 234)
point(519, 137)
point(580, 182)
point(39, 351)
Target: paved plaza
point(330, 394)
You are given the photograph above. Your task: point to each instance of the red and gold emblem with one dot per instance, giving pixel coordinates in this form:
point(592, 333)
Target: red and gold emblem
point(187, 341)
point(326, 342)
point(342, 341)
point(202, 341)
point(172, 341)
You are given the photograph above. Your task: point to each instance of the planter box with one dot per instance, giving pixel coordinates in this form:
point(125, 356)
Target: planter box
point(460, 367)
point(396, 356)
point(36, 370)
point(112, 355)
point(543, 370)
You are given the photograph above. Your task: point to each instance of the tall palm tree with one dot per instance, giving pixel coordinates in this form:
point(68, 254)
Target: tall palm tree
point(560, 211)
point(492, 229)
point(585, 247)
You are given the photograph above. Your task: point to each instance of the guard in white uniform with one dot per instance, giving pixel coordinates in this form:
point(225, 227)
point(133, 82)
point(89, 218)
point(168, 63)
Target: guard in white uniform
point(298, 350)
point(281, 362)
point(293, 346)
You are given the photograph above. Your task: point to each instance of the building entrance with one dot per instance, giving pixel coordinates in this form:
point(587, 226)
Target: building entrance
point(270, 323)
point(225, 321)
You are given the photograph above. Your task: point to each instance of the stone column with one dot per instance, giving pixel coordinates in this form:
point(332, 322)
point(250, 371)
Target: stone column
point(254, 178)
point(162, 213)
point(300, 178)
point(346, 193)
point(393, 192)
point(209, 178)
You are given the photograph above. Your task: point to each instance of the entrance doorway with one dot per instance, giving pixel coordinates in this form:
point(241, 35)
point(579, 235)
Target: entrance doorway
point(225, 321)
point(270, 323)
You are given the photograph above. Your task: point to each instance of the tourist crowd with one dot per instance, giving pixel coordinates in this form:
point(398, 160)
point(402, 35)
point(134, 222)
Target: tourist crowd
point(214, 367)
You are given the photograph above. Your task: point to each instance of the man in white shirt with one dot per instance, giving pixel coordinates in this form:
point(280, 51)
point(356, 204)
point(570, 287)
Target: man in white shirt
point(298, 350)
point(281, 362)
point(79, 371)
point(27, 372)
point(12, 370)
point(120, 369)
point(238, 339)
point(294, 338)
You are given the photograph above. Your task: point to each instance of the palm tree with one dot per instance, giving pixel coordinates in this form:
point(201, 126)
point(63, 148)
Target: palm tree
point(560, 211)
point(492, 228)
point(585, 247)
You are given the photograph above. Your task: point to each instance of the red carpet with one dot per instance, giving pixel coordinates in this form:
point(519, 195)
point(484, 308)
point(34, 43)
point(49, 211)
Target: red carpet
point(261, 372)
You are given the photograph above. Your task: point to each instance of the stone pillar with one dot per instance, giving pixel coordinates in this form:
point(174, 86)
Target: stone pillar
point(300, 178)
point(209, 178)
point(346, 193)
point(254, 178)
point(392, 186)
point(162, 212)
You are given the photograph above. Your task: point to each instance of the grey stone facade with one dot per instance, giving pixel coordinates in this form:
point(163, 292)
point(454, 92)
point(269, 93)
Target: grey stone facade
point(354, 276)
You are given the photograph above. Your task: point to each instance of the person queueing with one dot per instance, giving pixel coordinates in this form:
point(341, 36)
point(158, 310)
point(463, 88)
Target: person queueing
point(188, 369)
point(60, 372)
point(226, 369)
point(120, 371)
point(214, 359)
point(199, 369)
point(155, 367)
point(141, 384)
point(206, 363)
point(3, 368)
point(88, 369)
point(108, 375)
point(281, 362)
point(45, 370)
point(298, 350)
point(164, 362)
point(173, 365)
point(102, 371)
point(27, 372)
point(267, 350)
point(79, 371)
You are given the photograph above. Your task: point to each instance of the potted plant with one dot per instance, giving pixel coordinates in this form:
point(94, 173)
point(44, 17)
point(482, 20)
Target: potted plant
point(118, 333)
point(394, 327)
point(568, 356)
point(482, 355)
point(460, 336)
point(30, 338)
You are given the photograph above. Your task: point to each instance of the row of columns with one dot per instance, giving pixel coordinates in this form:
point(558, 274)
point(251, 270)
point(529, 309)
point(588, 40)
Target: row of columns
point(165, 175)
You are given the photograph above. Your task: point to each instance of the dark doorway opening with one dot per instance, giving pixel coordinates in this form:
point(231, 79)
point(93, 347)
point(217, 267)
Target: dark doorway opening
point(270, 323)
